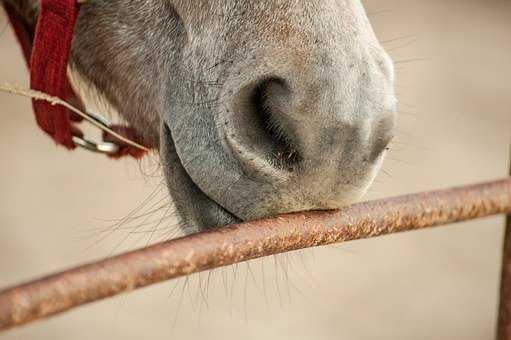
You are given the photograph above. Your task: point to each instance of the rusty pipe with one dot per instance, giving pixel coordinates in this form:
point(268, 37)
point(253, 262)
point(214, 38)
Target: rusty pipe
point(226, 246)
point(504, 318)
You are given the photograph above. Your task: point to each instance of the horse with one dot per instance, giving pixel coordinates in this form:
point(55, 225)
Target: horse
point(256, 108)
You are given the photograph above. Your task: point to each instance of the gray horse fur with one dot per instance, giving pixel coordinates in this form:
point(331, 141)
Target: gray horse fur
point(257, 107)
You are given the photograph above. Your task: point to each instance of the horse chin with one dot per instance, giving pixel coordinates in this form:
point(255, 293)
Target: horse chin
point(196, 210)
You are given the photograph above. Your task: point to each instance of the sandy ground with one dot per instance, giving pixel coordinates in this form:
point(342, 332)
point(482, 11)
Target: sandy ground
point(453, 67)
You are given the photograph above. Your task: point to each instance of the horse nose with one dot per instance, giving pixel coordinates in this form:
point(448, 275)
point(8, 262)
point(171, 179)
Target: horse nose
point(278, 127)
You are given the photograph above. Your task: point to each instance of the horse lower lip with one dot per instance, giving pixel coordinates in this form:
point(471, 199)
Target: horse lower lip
point(189, 199)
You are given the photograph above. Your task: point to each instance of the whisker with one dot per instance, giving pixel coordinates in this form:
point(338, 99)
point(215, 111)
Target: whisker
point(411, 60)
point(409, 36)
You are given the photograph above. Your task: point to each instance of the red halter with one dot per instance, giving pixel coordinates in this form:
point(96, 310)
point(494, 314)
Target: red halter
point(46, 52)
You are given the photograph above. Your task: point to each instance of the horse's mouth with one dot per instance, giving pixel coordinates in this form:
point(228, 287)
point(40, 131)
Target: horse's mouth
point(196, 210)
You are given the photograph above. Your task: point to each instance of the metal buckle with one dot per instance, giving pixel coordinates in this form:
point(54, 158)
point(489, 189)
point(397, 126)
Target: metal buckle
point(98, 147)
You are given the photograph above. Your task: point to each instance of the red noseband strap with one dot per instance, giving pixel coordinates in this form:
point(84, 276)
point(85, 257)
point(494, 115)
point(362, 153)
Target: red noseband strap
point(48, 66)
point(47, 51)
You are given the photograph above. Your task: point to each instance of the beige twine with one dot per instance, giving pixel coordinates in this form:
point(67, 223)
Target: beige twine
point(19, 91)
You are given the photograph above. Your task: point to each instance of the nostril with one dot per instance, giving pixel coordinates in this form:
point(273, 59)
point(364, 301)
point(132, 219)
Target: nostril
point(270, 103)
point(259, 129)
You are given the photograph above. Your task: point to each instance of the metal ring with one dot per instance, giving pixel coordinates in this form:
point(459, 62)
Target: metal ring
point(99, 118)
point(102, 147)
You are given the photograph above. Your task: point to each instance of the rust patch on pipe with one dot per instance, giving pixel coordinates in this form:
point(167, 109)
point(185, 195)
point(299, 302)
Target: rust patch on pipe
point(60, 292)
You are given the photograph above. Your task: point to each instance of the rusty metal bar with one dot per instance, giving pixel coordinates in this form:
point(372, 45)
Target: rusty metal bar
point(504, 326)
point(504, 320)
point(60, 292)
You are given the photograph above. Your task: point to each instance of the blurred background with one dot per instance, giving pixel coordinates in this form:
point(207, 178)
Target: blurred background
point(453, 61)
